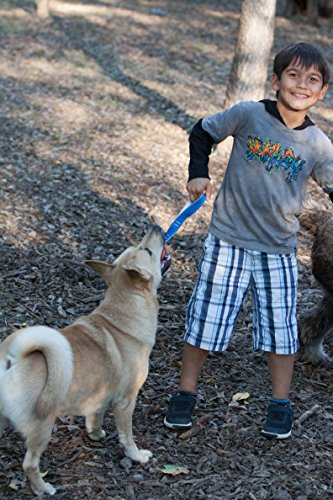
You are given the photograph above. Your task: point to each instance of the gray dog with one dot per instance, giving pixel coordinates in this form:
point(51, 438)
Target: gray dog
point(318, 323)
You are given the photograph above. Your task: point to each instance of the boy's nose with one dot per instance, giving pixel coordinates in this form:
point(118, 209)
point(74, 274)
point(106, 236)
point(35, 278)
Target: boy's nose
point(301, 82)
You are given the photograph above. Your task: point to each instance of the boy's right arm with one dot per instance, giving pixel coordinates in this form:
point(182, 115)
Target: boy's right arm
point(216, 128)
point(200, 148)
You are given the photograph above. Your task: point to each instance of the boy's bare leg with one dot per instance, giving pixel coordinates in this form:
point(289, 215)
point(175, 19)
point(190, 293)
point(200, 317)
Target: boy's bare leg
point(181, 406)
point(279, 421)
point(281, 367)
point(193, 361)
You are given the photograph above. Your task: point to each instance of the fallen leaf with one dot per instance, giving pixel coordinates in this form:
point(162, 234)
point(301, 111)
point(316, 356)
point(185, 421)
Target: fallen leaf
point(241, 396)
point(174, 470)
point(13, 486)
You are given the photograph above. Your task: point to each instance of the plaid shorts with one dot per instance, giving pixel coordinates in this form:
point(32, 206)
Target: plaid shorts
point(225, 274)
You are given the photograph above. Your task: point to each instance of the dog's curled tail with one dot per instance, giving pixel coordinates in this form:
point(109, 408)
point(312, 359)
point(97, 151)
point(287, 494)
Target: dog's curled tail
point(59, 359)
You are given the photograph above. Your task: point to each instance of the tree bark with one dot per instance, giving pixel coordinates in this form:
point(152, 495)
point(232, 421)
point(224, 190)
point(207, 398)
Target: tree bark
point(313, 12)
point(42, 8)
point(255, 39)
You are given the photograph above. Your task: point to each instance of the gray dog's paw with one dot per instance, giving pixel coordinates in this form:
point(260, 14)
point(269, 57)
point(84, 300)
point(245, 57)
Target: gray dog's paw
point(97, 435)
point(315, 358)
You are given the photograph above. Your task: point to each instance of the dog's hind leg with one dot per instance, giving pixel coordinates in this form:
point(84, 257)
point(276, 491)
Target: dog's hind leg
point(3, 423)
point(37, 441)
point(123, 413)
point(313, 328)
point(94, 426)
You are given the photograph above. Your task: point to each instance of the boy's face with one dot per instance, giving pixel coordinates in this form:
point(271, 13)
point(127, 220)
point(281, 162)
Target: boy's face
point(299, 88)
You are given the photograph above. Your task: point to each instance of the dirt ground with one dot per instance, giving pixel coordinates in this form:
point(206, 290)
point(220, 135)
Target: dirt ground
point(96, 105)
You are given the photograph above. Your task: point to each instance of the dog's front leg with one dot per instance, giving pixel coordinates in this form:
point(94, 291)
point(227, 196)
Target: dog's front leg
point(123, 413)
point(94, 426)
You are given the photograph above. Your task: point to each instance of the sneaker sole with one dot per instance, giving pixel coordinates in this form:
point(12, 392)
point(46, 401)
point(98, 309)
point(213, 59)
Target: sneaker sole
point(272, 435)
point(177, 426)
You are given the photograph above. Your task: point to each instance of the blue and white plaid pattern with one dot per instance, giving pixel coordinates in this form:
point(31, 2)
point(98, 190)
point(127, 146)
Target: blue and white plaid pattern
point(225, 274)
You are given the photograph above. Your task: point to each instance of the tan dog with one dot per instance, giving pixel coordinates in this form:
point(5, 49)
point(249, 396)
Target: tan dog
point(101, 359)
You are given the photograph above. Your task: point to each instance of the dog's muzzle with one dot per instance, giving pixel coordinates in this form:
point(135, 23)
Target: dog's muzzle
point(165, 257)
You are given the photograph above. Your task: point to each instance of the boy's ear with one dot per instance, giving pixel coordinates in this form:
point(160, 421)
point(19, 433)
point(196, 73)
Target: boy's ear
point(323, 91)
point(275, 82)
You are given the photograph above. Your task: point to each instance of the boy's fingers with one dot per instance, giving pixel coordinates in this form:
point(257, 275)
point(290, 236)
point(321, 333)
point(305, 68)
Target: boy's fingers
point(196, 187)
point(209, 191)
point(196, 194)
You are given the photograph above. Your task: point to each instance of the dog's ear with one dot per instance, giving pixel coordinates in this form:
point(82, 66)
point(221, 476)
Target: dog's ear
point(134, 267)
point(101, 268)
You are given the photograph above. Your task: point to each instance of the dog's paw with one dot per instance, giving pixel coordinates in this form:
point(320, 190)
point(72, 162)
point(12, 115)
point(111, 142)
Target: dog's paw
point(48, 489)
point(97, 435)
point(315, 357)
point(141, 456)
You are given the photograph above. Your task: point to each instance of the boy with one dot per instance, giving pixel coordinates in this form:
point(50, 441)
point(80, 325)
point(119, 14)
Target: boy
point(252, 234)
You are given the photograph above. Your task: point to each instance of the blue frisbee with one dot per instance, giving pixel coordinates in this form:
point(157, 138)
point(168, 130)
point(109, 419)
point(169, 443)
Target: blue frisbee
point(189, 209)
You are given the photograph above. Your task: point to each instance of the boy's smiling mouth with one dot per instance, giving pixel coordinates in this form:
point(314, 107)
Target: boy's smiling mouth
point(300, 96)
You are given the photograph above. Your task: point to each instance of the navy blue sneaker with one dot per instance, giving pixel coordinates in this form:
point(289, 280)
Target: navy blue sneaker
point(179, 414)
point(279, 421)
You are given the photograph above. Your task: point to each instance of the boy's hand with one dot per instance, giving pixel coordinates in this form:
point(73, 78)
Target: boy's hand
point(196, 187)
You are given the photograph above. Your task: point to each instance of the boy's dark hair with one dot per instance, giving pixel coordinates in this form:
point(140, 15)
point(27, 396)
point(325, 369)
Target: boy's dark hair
point(304, 54)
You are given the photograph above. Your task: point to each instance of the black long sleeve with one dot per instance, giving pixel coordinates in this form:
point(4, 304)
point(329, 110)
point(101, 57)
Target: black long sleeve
point(331, 196)
point(200, 148)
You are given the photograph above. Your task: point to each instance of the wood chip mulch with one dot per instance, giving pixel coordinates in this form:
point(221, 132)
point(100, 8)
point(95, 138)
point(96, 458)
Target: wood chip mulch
point(96, 105)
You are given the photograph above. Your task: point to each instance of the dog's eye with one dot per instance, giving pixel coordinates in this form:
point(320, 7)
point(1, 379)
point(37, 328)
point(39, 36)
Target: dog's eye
point(148, 250)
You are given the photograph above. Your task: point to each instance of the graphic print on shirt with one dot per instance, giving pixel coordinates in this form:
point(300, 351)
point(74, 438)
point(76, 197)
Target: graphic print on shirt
point(273, 156)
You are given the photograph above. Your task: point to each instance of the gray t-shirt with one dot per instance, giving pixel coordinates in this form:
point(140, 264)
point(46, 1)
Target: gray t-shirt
point(265, 182)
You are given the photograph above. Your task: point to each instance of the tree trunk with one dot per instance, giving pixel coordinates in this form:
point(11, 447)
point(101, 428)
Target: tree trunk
point(255, 39)
point(295, 7)
point(42, 7)
point(313, 12)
